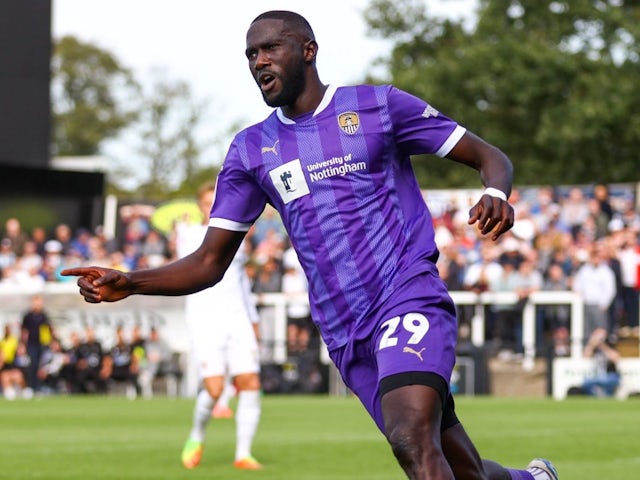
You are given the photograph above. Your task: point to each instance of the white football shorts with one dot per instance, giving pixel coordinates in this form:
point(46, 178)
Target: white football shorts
point(222, 336)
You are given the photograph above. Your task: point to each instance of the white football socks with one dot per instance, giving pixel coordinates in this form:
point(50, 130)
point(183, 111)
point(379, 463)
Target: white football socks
point(247, 419)
point(201, 415)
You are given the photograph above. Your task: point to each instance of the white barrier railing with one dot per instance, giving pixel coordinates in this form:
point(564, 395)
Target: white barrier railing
point(68, 312)
point(276, 333)
point(572, 372)
point(479, 301)
point(66, 306)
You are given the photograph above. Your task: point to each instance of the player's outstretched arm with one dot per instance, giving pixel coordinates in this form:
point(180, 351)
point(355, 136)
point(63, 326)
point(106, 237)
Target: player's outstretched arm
point(493, 214)
point(203, 268)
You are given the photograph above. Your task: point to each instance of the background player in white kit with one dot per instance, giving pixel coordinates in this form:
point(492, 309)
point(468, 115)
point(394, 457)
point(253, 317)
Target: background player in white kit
point(222, 323)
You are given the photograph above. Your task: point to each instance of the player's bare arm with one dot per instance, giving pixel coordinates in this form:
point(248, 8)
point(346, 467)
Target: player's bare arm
point(203, 268)
point(493, 214)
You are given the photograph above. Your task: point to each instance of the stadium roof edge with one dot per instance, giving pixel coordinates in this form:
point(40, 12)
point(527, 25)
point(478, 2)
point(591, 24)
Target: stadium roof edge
point(89, 163)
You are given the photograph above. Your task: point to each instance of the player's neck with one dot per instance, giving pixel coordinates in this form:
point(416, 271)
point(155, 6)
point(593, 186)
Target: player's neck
point(308, 100)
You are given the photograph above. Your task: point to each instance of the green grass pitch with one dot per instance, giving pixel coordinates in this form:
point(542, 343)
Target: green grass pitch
point(302, 438)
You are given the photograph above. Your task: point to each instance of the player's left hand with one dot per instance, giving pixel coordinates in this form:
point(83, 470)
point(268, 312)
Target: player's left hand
point(493, 215)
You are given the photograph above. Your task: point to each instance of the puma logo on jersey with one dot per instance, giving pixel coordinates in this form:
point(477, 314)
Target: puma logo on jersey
point(429, 112)
point(271, 149)
point(416, 353)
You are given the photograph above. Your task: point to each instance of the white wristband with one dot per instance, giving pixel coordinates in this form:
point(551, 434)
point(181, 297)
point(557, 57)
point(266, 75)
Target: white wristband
point(494, 192)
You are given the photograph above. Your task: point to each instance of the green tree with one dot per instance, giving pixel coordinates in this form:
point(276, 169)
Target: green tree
point(93, 97)
point(96, 99)
point(553, 83)
point(168, 146)
point(207, 171)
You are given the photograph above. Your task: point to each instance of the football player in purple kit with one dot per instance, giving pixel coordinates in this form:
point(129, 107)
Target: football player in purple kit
point(335, 163)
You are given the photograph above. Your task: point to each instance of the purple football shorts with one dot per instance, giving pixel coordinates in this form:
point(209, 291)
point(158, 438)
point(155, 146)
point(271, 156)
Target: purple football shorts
point(413, 331)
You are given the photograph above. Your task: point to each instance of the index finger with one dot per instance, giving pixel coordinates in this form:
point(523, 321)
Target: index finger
point(74, 272)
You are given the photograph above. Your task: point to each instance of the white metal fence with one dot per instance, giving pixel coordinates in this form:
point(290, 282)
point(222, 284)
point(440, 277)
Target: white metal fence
point(69, 312)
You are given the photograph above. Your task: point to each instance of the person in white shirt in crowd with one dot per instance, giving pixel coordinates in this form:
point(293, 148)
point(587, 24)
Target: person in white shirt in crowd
point(483, 270)
point(574, 210)
point(595, 281)
point(31, 260)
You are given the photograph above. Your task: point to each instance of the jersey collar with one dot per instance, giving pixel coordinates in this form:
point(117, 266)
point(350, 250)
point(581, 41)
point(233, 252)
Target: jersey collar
point(328, 95)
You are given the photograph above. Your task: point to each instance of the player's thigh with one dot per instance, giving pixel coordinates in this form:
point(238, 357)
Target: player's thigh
point(412, 412)
point(242, 353)
point(208, 348)
point(359, 372)
point(247, 381)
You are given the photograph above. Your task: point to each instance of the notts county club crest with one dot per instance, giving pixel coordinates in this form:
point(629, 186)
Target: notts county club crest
point(349, 122)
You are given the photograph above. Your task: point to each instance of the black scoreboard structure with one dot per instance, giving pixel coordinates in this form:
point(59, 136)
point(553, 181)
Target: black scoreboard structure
point(29, 189)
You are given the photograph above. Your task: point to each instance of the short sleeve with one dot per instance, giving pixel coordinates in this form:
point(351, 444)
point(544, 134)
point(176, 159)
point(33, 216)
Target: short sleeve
point(239, 200)
point(419, 128)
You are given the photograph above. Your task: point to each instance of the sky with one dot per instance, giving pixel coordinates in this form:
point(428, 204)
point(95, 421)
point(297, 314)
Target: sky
point(202, 42)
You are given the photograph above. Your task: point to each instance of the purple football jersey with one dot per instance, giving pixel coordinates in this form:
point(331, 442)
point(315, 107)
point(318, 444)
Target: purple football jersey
point(342, 180)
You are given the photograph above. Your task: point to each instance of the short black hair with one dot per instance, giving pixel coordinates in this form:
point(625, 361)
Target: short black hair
point(293, 20)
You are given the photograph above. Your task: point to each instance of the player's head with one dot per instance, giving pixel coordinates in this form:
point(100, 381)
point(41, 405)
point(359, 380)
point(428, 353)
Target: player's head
point(294, 23)
point(205, 198)
point(281, 50)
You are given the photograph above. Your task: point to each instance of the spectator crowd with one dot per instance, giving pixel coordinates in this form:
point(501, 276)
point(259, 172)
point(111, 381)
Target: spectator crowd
point(34, 360)
point(582, 239)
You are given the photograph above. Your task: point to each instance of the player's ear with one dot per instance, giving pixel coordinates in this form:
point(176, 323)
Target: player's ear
point(310, 51)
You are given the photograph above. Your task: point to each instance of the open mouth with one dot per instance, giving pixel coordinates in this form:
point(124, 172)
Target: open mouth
point(266, 81)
